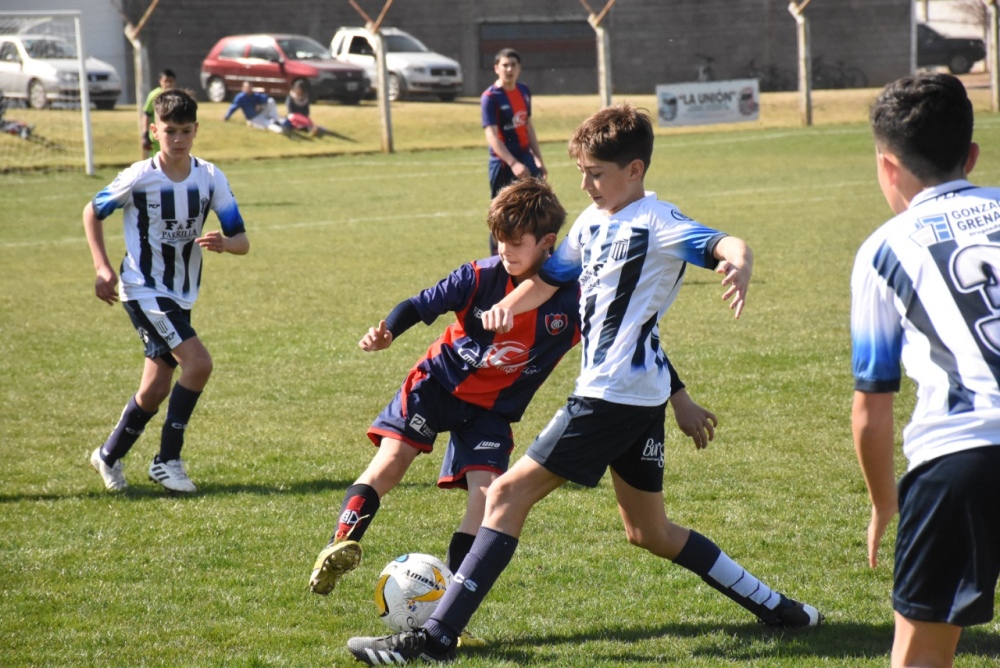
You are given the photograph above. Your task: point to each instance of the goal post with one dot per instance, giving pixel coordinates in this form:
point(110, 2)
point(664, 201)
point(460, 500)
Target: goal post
point(45, 106)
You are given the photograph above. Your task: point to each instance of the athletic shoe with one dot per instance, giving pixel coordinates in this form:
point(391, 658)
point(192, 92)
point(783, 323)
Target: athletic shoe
point(400, 648)
point(333, 561)
point(171, 475)
point(794, 616)
point(114, 476)
point(469, 640)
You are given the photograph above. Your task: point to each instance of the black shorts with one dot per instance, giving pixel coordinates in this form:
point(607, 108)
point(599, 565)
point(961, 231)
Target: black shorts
point(480, 439)
point(588, 435)
point(161, 324)
point(948, 541)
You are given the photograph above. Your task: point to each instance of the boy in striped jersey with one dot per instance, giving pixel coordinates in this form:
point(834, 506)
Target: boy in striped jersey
point(510, 136)
point(628, 251)
point(165, 200)
point(924, 294)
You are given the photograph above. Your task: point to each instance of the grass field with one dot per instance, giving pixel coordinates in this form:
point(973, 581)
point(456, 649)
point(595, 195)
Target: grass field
point(89, 578)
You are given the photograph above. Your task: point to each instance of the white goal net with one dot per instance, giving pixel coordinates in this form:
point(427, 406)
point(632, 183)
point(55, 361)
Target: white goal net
point(44, 111)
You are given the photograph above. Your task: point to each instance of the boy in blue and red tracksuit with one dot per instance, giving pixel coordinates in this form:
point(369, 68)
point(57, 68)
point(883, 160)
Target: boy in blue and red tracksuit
point(510, 136)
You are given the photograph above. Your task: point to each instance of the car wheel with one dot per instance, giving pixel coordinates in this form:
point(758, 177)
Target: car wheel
point(37, 98)
point(959, 64)
point(215, 89)
point(447, 97)
point(395, 87)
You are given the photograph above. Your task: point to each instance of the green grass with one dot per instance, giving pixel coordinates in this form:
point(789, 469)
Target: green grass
point(219, 579)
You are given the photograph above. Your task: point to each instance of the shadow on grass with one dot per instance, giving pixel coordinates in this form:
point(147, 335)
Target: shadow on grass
point(149, 490)
point(730, 642)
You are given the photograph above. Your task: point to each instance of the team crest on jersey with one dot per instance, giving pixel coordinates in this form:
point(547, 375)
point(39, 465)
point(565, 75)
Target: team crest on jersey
point(619, 249)
point(555, 323)
point(679, 216)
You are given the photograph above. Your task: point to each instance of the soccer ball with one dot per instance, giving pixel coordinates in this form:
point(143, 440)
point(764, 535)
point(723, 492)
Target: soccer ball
point(408, 590)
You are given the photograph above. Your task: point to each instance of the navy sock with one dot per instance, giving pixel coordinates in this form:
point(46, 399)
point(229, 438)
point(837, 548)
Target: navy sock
point(704, 558)
point(357, 511)
point(130, 426)
point(488, 557)
point(182, 403)
point(459, 547)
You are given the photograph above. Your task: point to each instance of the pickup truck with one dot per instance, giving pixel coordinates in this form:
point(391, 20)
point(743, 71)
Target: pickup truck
point(958, 53)
point(413, 69)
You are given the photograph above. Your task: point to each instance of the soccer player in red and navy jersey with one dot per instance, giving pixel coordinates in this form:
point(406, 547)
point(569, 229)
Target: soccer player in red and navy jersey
point(506, 112)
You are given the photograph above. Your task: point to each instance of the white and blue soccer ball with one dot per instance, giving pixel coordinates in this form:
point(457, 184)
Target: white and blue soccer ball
point(409, 589)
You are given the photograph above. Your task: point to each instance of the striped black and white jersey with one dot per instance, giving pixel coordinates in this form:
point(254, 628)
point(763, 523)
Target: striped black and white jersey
point(630, 266)
point(925, 292)
point(162, 219)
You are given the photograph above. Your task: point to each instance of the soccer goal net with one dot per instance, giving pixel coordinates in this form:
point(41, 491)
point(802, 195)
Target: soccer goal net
point(44, 112)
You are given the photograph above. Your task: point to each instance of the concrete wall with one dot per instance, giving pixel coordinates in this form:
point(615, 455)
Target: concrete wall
point(652, 41)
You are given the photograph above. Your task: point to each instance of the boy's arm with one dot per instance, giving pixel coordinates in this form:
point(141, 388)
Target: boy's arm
point(529, 295)
point(872, 425)
point(238, 244)
point(493, 139)
point(736, 264)
point(535, 148)
point(400, 319)
point(107, 280)
point(697, 422)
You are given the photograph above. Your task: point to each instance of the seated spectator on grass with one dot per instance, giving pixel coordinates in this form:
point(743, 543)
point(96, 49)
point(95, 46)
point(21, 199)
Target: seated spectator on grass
point(260, 110)
point(298, 111)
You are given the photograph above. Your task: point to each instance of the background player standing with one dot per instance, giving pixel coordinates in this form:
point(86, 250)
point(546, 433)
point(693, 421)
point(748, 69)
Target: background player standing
point(165, 202)
point(150, 145)
point(924, 293)
point(510, 136)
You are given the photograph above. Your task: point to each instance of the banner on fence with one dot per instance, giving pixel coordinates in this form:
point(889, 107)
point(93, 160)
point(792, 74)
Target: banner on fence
point(708, 102)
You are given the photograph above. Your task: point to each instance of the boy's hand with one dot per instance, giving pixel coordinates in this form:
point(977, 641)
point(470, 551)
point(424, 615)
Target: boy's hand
point(105, 285)
point(377, 338)
point(738, 280)
point(498, 319)
point(695, 421)
point(212, 241)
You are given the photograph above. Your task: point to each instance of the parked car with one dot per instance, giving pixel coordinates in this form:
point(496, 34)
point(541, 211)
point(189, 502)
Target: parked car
point(412, 67)
point(273, 62)
point(42, 69)
point(958, 53)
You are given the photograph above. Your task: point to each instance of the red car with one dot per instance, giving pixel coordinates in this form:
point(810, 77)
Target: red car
point(272, 63)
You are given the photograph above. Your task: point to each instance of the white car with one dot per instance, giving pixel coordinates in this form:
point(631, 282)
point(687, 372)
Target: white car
point(413, 69)
point(43, 69)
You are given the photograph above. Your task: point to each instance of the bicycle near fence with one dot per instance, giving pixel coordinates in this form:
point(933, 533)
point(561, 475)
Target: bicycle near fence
point(771, 78)
point(825, 75)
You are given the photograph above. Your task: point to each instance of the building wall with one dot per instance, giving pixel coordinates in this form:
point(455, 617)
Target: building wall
point(652, 41)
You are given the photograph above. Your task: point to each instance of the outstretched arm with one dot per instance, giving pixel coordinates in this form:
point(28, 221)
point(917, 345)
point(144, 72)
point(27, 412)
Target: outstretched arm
point(872, 425)
point(529, 295)
point(736, 264)
point(697, 422)
point(238, 244)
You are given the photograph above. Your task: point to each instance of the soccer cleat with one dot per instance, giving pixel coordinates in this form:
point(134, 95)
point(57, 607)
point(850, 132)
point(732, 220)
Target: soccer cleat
point(114, 476)
point(794, 616)
point(400, 648)
point(333, 561)
point(171, 475)
point(468, 640)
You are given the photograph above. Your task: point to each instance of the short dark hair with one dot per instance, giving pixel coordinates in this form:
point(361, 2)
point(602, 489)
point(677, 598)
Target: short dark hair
point(506, 53)
point(176, 106)
point(619, 134)
point(167, 72)
point(526, 206)
point(926, 121)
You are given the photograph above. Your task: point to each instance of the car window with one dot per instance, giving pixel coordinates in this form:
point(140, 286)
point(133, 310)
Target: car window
point(49, 48)
point(8, 53)
point(403, 44)
point(264, 52)
point(233, 49)
point(360, 46)
point(303, 48)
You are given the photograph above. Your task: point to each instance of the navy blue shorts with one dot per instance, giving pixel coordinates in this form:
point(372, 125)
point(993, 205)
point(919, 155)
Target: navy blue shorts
point(948, 541)
point(161, 324)
point(480, 439)
point(501, 175)
point(587, 436)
